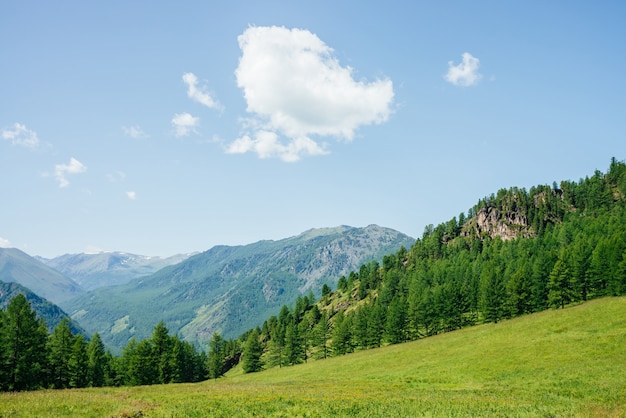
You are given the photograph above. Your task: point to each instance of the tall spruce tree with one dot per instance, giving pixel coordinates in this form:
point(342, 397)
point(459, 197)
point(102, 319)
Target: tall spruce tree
point(23, 355)
point(78, 365)
point(215, 360)
point(162, 345)
point(252, 351)
point(60, 351)
point(560, 286)
point(96, 361)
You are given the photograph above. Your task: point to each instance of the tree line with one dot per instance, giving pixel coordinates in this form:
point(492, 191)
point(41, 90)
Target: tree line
point(570, 247)
point(32, 358)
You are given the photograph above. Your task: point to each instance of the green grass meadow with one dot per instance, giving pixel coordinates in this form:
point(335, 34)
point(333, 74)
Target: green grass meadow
point(557, 363)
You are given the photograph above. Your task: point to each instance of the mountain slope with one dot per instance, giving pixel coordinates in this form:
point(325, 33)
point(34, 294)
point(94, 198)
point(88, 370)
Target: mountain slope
point(17, 266)
point(91, 271)
point(46, 310)
point(228, 289)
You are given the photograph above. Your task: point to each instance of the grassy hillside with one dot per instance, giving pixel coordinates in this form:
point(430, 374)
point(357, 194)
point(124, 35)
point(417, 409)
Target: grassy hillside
point(569, 362)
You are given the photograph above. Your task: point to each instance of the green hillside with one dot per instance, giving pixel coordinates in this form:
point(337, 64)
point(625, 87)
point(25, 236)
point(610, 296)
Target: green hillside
point(566, 362)
point(46, 310)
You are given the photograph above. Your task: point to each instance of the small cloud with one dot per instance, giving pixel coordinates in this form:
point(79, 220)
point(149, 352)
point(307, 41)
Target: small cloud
point(5, 243)
point(199, 94)
point(134, 132)
point(296, 89)
point(21, 135)
point(116, 176)
point(184, 124)
point(61, 171)
point(131, 195)
point(466, 73)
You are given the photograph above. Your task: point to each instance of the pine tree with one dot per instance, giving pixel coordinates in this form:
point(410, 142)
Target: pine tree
point(96, 363)
point(23, 355)
point(395, 326)
point(493, 294)
point(60, 350)
point(252, 351)
point(360, 326)
point(375, 325)
point(215, 361)
point(342, 334)
point(321, 334)
point(78, 364)
point(293, 344)
point(519, 291)
point(560, 286)
point(162, 345)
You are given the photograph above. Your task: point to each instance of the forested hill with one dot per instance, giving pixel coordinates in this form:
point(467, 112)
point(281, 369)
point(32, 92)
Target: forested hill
point(50, 313)
point(517, 251)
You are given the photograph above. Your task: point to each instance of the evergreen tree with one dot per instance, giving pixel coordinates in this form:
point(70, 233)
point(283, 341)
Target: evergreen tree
point(375, 326)
point(560, 287)
point(78, 364)
point(305, 329)
point(493, 294)
point(276, 345)
point(519, 291)
point(293, 344)
point(252, 351)
point(23, 355)
point(600, 267)
point(162, 345)
point(579, 257)
point(360, 326)
point(60, 351)
point(342, 334)
point(326, 289)
point(395, 326)
point(321, 334)
point(97, 362)
point(215, 361)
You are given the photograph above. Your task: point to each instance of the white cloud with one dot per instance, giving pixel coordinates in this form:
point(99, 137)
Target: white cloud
point(21, 135)
point(466, 73)
point(266, 145)
point(61, 171)
point(134, 132)
point(295, 87)
point(199, 94)
point(184, 124)
point(5, 243)
point(131, 195)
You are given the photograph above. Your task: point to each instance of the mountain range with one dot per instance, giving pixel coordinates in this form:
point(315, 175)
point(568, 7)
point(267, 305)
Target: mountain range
point(109, 268)
point(226, 289)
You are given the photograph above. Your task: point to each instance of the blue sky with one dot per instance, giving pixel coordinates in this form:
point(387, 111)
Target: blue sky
point(168, 127)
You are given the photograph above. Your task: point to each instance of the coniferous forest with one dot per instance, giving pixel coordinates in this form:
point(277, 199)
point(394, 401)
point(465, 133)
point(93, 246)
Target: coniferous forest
point(516, 252)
